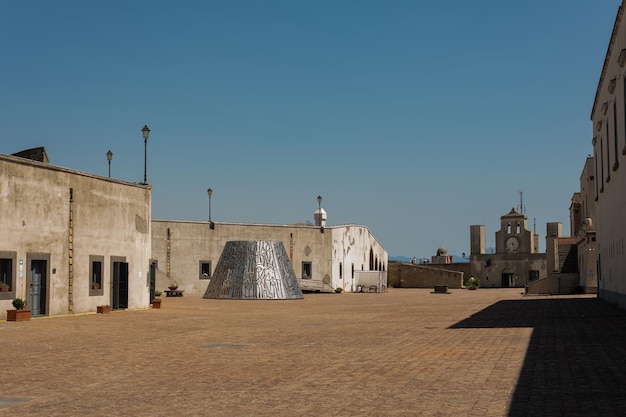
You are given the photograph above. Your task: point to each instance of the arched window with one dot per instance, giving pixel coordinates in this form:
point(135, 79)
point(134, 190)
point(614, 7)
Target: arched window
point(508, 228)
point(371, 259)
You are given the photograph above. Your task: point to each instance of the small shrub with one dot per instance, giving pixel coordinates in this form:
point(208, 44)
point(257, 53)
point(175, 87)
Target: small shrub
point(338, 290)
point(19, 304)
point(473, 283)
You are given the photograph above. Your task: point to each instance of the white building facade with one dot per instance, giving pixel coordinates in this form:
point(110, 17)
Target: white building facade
point(609, 152)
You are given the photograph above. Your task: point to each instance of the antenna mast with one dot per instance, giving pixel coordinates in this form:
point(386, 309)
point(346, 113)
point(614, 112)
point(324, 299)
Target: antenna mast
point(521, 207)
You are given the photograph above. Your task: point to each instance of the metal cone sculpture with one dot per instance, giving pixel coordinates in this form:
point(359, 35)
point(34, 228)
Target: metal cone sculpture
point(254, 270)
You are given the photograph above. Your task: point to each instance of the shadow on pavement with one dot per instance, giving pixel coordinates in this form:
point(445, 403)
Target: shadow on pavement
point(575, 364)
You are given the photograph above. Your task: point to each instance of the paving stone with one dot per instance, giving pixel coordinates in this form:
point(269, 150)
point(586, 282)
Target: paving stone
point(407, 352)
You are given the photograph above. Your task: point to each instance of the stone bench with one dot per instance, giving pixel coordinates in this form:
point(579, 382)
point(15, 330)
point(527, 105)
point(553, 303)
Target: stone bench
point(441, 289)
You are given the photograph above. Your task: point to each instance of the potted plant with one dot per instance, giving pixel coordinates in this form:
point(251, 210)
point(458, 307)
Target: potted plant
point(173, 286)
point(472, 284)
point(4, 287)
point(338, 290)
point(105, 309)
point(20, 313)
point(156, 303)
point(95, 285)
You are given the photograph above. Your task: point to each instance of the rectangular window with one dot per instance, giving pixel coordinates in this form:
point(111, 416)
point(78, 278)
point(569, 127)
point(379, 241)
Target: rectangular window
point(595, 163)
point(608, 154)
point(340, 270)
point(624, 101)
point(533, 275)
point(307, 268)
point(96, 285)
point(601, 165)
point(205, 269)
point(616, 164)
point(7, 281)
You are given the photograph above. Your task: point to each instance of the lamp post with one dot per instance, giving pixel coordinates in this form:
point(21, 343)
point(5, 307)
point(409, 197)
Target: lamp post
point(146, 133)
point(210, 193)
point(109, 157)
point(319, 212)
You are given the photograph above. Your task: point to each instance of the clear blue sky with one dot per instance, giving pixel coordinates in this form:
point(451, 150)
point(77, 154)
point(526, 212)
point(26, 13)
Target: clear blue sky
point(415, 118)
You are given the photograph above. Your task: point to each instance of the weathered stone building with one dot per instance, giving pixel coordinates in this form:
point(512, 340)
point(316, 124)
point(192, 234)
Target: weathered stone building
point(583, 228)
point(516, 260)
point(324, 258)
point(70, 240)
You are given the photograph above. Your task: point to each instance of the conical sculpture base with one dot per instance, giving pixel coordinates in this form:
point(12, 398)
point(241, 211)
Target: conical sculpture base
point(254, 270)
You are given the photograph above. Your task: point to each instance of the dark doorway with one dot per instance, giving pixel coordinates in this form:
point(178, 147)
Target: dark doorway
point(153, 269)
point(119, 292)
point(38, 287)
point(507, 280)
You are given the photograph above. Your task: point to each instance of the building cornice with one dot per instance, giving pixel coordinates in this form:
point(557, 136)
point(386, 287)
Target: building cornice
point(607, 57)
point(50, 167)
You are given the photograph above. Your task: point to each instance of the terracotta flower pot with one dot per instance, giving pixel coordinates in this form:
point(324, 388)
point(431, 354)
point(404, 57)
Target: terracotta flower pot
point(156, 303)
point(104, 309)
point(18, 315)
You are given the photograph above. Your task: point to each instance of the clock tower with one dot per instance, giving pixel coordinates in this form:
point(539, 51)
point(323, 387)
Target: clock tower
point(515, 261)
point(513, 236)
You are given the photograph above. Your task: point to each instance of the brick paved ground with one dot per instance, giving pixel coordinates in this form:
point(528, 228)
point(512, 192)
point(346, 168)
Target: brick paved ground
point(407, 352)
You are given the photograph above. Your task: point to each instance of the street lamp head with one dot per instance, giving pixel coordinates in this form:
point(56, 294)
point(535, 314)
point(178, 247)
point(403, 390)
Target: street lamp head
point(109, 156)
point(319, 199)
point(146, 132)
point(210, 193)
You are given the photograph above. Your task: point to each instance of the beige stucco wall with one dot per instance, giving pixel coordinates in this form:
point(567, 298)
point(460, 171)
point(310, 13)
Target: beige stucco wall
point(517, 264)
point(554, 283)
point(109, 218)
point(192, 242)
point(424, 276)
point(586, 232)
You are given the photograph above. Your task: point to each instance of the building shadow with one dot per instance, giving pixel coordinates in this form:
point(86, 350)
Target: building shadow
point(575, 363)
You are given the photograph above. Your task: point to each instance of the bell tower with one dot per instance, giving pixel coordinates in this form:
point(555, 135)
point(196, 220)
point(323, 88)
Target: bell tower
point(513, 236)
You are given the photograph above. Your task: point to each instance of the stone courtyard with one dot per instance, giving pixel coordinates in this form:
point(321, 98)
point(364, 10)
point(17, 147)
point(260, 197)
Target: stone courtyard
point(407, 352)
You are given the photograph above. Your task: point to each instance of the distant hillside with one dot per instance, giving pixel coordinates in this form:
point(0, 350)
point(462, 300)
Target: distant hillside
point(399, 259)
point(404, 259)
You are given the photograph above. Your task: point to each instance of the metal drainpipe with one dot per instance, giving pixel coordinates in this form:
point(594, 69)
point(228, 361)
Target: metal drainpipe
point(70, 260)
